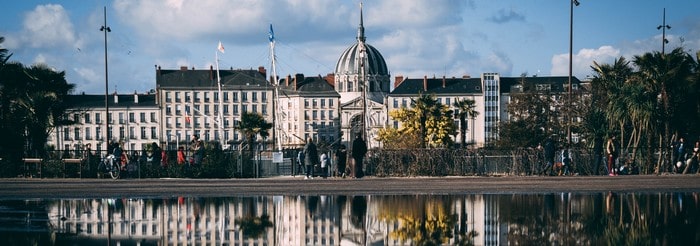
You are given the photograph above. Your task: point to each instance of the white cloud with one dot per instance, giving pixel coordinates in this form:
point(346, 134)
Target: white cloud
point(583, 60)
point(48, 26)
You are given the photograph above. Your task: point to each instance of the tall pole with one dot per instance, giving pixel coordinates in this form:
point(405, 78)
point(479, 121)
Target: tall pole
point(571, 55)
point(664, 41)
point(106, 29)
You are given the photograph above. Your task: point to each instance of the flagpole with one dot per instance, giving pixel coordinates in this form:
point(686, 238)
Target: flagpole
point(221, 108)
point(275, 103)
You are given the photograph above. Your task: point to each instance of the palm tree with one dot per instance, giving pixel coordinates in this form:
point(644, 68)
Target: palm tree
point(465, 108)
point(424, 106)
point(666, 75)
point(253, 124)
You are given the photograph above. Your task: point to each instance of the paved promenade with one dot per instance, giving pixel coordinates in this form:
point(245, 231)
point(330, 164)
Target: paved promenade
point(143, 188)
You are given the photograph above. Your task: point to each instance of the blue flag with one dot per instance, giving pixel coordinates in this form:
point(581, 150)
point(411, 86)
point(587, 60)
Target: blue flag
point(272, 34)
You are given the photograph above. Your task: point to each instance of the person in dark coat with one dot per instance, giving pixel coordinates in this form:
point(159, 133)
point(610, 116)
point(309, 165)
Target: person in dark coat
point(310, 158)
point(341, 156)
point(359, 149)
point(549, 153)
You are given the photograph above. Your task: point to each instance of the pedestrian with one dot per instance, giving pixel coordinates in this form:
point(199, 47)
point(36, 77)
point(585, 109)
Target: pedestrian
point(359, 149)
point(300, 161)
point(597, 154)
point(692, 162)
point(163, 158)
point(156, 155)
point(565, 161)
point(197, 150)
point(680, 153)
point(324, 165)
point(341, 156)
point(310, 158)
point(612, 151)
point(181, 156)
point(549, 153)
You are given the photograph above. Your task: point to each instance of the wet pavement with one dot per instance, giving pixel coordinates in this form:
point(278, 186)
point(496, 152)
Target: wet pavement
point(100, 188)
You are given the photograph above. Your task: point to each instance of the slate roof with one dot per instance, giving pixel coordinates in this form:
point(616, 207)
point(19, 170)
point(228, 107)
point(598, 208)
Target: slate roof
point(192, 79)
point(98, 101)
point(558, 83)
point(308, 87)
point(411, 87)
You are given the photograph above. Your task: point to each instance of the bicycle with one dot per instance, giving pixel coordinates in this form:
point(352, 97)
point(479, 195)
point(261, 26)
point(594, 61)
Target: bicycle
point(111, 165)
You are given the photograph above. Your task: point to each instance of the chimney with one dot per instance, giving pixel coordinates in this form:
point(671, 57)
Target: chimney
point(183, 68)
point(136, 97)
point(425, 83)
point(287, 79)
point(262, 71)
point(116, 98)
point(298, 79)
point(466, 76)
point(397, 81)
point(157, 70)
point(211, 72)
point(330, 78)
point(443, 81)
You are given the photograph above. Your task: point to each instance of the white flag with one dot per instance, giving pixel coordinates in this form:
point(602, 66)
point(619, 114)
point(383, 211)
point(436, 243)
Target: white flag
point(221, 47)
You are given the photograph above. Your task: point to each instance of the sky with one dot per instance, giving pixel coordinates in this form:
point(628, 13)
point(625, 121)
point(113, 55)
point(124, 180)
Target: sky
point(417, 38)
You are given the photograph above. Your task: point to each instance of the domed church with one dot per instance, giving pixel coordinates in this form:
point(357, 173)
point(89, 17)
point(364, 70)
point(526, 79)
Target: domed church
point(362, 80)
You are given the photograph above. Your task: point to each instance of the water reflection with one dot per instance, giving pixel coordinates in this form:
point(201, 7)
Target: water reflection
point(474, 219)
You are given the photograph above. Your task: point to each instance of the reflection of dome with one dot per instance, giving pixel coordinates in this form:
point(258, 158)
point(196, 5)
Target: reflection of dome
point(348, 62)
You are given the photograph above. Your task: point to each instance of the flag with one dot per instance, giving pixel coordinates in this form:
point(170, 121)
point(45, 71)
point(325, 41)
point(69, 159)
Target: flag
point(272, 34)
point(221, 47)
point(187, 117)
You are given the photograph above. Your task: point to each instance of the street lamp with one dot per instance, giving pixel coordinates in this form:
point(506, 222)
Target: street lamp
point(664, 41)
point(106, 29)
point(571, 55)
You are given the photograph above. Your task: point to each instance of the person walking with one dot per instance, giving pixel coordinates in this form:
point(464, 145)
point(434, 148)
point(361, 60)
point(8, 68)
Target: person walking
point(549, 153)
point(612, 150)
point(341, 156)
point(310, 158)
point(325, 162)
point(181, 156)
point(359, 149)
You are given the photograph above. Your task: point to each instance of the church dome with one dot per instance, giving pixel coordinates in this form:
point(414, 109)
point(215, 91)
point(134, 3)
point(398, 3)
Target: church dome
point(348, 64)
point(349, 61)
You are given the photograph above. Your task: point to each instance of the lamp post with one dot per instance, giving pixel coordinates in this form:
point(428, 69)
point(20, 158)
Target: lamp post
point(664, 41)
point(571, 55)
point(106, 29)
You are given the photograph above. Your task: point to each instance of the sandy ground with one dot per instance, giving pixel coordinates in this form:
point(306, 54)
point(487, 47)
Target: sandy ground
point(143, 188)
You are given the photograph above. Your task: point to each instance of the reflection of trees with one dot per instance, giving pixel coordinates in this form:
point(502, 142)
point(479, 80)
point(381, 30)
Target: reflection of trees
point(253, 226)
point(602, 219)
point(423, 220)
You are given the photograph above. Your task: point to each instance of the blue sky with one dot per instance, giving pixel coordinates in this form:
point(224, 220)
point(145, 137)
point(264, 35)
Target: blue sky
point(417, 38)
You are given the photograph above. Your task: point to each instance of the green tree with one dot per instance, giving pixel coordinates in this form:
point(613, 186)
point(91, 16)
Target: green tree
point(465, 109)
point(427, 119)
point(532, 118)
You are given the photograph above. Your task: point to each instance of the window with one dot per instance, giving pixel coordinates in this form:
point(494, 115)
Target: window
point(306, 103)
point(235, 109)
point(264, 109)
point(76, 118)
point(167, 97)
point(330, 103)
point(255, 96)
point(244, 96)
point(77, 134)
point(121, 118)
point(154, 132)
point(396, 103)
point(88, 136)
point(187, 97)
point(66, 134)
point(153, 117)
point(142, 117)
point(132, 118)
point(87, 118)
point(323, 103)
point(132, 132)
point(264, 96)
point(177, 96)
point(314, 103)
point(143, 133)
point(98, 133)
point(122, 132)
point(98, 120)
point(255, 108)
point(196, 96)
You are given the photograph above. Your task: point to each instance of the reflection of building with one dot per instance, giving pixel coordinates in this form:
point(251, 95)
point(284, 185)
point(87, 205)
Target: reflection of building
point(296, 220)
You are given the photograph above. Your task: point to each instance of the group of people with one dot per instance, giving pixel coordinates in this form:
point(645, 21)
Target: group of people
point(685, 159)
point(552, 167)
point(309, 158)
